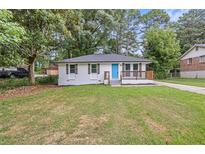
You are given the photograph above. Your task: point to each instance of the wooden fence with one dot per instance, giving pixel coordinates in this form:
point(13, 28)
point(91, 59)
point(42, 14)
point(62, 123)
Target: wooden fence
point(149, 75)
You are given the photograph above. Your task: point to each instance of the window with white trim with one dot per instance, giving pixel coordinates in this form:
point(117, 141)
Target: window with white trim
point(202, 59)
point(127, 67)
point(73, 69)
point(189, 61)
point(93, 68)
point(135, 67)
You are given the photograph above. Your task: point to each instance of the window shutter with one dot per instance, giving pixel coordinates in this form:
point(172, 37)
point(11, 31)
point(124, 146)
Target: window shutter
point(67, 71)
point(88, 68)
point(76, 69)
point(140, 67)
point(98, 68)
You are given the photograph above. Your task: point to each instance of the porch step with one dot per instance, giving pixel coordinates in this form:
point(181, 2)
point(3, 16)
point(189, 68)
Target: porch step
point(115, 82)
point(137, 82)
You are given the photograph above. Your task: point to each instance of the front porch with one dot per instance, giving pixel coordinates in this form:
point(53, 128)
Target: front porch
point(137, 77)
point(130, 77)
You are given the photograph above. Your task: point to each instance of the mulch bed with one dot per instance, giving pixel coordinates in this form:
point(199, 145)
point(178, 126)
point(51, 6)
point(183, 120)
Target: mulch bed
point(25, 90)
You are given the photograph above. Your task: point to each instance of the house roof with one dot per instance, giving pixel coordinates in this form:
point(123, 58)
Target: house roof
point(104, 58)
point(196, 45)
point(52, 66)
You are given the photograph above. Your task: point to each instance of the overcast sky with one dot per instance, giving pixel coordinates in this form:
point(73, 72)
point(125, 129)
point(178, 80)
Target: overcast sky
point(174, 13)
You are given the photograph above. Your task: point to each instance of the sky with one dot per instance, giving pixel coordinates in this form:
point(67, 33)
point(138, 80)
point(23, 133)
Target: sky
point(173, 13)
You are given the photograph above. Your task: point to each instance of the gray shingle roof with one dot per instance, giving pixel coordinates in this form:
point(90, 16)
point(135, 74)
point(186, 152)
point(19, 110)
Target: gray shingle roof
point(104, 58)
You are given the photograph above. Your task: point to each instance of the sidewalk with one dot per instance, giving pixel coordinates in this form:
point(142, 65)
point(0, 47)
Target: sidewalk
point(193, 89)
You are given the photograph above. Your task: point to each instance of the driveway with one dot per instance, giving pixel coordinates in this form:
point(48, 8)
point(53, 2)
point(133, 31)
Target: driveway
point(193, 89)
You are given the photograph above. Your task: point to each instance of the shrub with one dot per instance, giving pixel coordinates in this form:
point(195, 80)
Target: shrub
point(47, 80)
point(161, 75)
point(7, 84)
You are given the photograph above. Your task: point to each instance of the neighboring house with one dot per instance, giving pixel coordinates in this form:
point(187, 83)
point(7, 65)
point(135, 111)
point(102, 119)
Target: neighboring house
point(103, 68)
point(192, 64)
point(52, 69)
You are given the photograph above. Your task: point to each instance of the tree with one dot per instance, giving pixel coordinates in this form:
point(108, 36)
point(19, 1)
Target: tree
point(162, 46)
point(89, 30)
point(107, 31)
point(11, 35)
point(190, 29)
point(154, 18)
point(123, 38)
point(41, 27)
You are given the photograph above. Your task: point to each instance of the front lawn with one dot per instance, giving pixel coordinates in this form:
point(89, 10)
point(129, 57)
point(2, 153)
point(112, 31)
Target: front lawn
point(98, 114)
point(187, 81)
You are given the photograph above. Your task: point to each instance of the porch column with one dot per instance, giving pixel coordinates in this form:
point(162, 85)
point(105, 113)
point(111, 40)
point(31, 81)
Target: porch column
point(123, 67)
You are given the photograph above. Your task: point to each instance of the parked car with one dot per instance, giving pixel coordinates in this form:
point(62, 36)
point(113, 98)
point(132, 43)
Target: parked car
point(13, 73)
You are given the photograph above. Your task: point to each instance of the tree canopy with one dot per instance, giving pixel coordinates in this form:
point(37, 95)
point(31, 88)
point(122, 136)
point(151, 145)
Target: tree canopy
point(38, 36)
point(153, 18)
point(41, 27)
point(162, 46)
point(11, 35)
point(89, 29)
point(190, 29)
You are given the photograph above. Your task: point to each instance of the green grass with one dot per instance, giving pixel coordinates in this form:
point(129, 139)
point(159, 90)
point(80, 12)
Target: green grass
point(98, 114)
point(186, 81)
point(9, 83)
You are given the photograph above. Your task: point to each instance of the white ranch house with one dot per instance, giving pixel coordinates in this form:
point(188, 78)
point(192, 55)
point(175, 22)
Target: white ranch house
point(103, 68)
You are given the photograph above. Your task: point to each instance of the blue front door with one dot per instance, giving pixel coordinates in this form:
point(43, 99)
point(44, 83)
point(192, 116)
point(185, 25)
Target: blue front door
point(114, 71)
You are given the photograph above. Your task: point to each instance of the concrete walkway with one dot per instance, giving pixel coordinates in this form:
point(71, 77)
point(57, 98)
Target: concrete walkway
point(193, 89)
point(134, 85)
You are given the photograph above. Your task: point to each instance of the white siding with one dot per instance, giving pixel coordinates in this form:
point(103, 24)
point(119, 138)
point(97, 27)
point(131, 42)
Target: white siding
point(193, 53)
point(192, 74)
point(84, 78)
point(62, 76)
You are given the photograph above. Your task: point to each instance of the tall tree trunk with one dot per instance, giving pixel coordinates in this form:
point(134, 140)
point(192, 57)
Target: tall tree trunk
point(31, 66)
